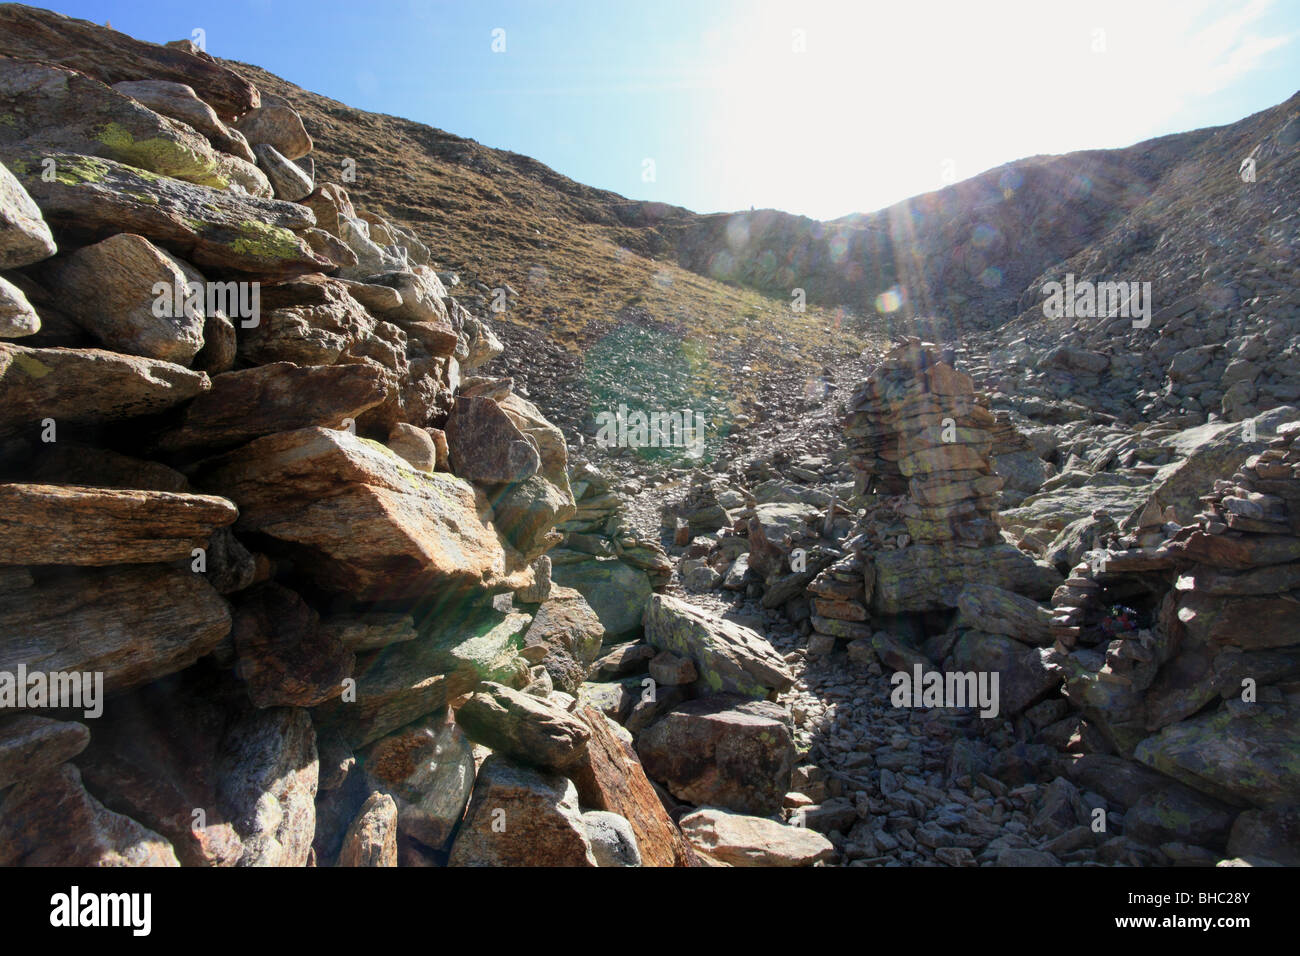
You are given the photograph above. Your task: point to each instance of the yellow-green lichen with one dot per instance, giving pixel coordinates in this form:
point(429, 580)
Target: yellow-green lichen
point(160, 155)
point(72, 170)
point(266, 241)
point(31, 366)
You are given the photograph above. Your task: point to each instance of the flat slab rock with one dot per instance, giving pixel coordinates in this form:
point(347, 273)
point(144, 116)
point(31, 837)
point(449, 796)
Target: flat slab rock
point(930, 577)
point(279, 397)
point(100, 526)
point(740, 840)
point(359, 518)
point(86, 386)
point(728, 656)
point(91, 198)
point(134, 623)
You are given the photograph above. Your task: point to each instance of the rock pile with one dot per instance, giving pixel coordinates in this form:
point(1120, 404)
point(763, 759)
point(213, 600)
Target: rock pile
point(1178, 647)
point(604, 558)
point(249, 492)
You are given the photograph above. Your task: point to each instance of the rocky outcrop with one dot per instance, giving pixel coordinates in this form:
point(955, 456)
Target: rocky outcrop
point(269, 517)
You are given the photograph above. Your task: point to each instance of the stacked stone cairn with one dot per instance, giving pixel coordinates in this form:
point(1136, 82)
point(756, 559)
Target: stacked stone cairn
point(919, 441)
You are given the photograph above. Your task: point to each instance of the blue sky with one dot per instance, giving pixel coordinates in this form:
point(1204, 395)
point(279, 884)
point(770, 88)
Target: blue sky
point(818, 108)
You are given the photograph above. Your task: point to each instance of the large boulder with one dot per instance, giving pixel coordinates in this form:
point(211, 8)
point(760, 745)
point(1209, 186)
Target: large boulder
point(193, 743)
point(569, 630)
point(519, 816)
point(31, 745)
point(371, 839)
point(523, 727)
point(24, 236)
point(1240, 753)
point(428, 770)
point(728, 657)
point(616, 591)
point(180, 102)
point(50, 820)
point(111, 56)
point(1023, 674)
point(279, 397)
point(998, 611)
point(486, 447)
point(1206, 453)
point(358, 518)
point(53, 110)
point(723, 751)
point(109, 290)
point(609, 776)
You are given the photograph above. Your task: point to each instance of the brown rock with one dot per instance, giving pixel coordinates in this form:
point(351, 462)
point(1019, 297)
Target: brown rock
point(193, 743)
point(278, 127)
point(526, 728)
point(570, 632)
point(724, 751)
point(112, 290)
point(521, 817)
point(740, 840)
point(111, 56)
point(415, 445)
point(371, 840)
point(486, 447)
point(285, 657)
point(428, 769)
point(97, 526)
point(279, 397)
point(135, 624)
point(31, 746)
point(85, 386)
point(50, 820)
point(609, 777)
point(358, 518)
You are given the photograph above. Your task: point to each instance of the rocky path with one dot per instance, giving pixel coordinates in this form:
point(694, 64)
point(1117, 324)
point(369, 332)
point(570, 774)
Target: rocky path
point(917, 787)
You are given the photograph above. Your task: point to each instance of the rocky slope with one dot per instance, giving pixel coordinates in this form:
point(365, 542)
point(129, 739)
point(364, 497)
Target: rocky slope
point(296, 409)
